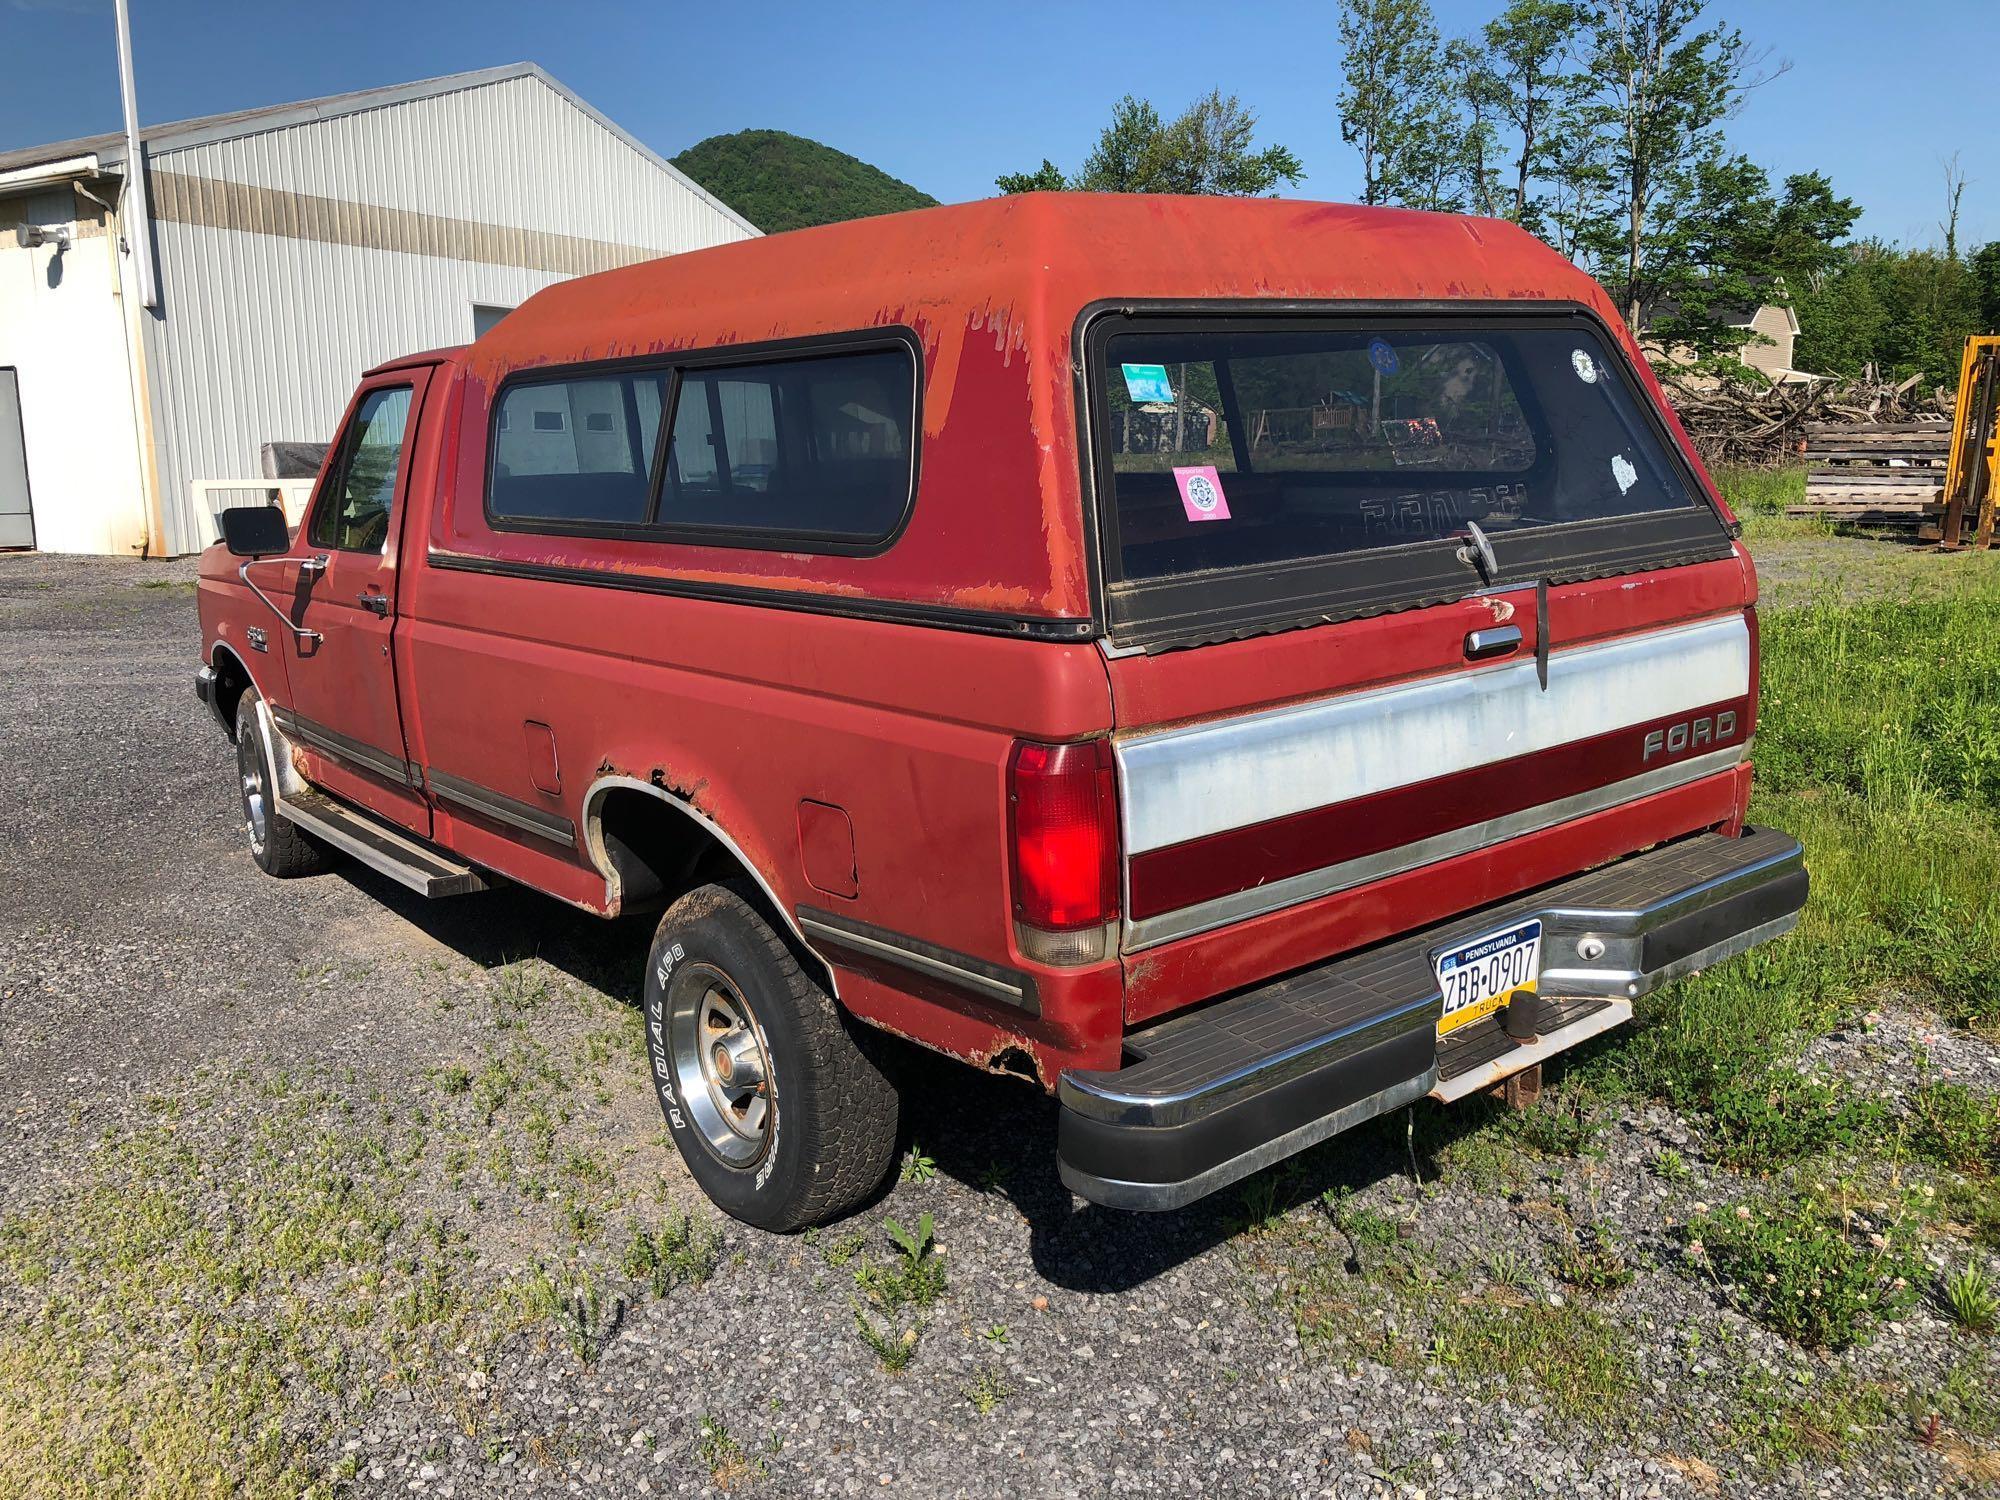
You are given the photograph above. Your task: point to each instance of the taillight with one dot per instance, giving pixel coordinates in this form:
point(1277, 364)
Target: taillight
point(1063, 815)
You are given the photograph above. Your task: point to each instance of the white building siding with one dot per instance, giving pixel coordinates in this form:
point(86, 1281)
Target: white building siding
point(515, 152)
point(282, 277)
point(62, 329)
point(265, 338)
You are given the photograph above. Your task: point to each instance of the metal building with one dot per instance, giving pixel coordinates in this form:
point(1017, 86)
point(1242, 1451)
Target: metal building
point(296, 246)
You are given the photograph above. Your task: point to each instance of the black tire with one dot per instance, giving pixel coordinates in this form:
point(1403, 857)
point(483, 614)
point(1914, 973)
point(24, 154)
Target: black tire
point(278, 845)
point(828, 1132)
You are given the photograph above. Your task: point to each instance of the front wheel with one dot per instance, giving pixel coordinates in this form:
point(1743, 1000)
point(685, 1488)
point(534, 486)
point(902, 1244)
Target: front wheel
point(277, 844)
point(779, 1113)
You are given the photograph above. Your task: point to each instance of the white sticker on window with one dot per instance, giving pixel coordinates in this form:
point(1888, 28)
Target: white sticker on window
point(1584, 365)
point(1623, 472)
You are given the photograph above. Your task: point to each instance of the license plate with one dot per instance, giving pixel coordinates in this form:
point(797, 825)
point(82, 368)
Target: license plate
point(1476, 977)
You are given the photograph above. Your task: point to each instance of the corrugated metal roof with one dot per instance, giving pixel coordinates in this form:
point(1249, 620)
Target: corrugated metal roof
point(110, 147)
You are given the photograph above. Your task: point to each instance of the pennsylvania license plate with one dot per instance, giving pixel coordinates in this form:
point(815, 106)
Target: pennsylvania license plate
point(1476, 977)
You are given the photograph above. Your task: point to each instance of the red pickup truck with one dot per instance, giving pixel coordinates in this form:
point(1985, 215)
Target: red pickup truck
point(1242, 665)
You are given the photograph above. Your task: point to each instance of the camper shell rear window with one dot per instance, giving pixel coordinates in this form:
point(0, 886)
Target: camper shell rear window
point(1259, 471)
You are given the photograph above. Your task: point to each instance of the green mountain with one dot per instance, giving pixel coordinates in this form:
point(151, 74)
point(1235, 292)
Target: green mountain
point(779, 181)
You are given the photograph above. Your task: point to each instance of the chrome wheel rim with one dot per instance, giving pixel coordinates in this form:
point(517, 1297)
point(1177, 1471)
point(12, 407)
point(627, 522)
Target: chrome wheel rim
point(256, 800)
point(722, 1070)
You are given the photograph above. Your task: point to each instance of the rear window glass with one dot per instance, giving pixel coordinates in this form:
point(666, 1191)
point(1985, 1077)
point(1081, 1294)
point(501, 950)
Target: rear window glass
point(1240, 448)
point(818, 448)
point(577, 450)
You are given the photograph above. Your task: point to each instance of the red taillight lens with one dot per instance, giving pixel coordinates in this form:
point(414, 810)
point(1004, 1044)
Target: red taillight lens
point(1065, 822)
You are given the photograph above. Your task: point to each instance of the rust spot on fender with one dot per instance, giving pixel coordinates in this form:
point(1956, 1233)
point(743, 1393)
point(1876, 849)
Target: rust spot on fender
point(694, 793)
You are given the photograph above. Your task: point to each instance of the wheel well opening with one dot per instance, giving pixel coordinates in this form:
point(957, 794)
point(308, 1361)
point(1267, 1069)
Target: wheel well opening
point(230, 681)
point(654, 849)
point(659, 853)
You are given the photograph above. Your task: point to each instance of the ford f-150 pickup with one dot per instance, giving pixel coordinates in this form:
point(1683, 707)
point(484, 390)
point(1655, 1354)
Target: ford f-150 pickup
point(1243, 666)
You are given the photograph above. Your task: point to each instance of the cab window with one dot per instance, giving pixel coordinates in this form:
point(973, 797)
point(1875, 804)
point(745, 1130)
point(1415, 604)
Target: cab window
point(354, 508)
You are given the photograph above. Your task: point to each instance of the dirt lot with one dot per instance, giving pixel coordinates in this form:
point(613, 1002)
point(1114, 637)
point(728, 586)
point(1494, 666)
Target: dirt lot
point(317, 1188)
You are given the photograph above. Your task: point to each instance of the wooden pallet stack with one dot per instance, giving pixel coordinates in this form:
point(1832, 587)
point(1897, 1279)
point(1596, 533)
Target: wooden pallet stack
point(1884, 474)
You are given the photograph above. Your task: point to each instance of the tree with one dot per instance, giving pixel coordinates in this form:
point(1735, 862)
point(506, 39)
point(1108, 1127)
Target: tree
point(1394, 101)
point(1481, 96)
point(1985, 267)
point(1664, 91)
point(1047, 178)
point(1808, 232)
point(1954, 189)
point(1208, 148)
point(1528, 50)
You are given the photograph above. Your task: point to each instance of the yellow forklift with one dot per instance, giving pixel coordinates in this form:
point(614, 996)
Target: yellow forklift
point(1971, 483)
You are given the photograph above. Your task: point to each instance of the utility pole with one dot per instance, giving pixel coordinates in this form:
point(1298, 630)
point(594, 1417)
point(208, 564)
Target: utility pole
point(134, 210)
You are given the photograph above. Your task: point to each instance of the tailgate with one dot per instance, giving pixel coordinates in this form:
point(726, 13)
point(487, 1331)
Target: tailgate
point(1407, 614)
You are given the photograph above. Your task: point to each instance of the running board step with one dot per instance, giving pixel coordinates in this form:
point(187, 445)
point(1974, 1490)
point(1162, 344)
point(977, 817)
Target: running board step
point(422, 867)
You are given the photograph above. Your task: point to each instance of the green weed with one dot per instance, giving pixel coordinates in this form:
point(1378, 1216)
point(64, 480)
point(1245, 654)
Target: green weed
point(679, 1253)
point(1969, 1297)
point(1808, 1266)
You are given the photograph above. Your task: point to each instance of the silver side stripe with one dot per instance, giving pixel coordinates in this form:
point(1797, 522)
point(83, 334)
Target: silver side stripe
point(1242, 905)
point(1186, 783)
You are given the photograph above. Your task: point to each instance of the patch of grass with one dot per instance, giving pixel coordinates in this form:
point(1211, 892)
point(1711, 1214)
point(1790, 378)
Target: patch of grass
point(1592, 1262)
point(839, 1251)
point(1563, 1122)
point(986, 1391)
point(727, 1464)
point(1367, 1229)
point(1776, 1420)
point(1779, 1115)
point(1878, 746)
point(1976, 1206)
point(206, 1309)
point(679, 1253)
point(1955, 1127)
point(1760, 492)
point(586, 1320)
point(1809, 1266)
point(1670, 1166)
point(1575, 1354)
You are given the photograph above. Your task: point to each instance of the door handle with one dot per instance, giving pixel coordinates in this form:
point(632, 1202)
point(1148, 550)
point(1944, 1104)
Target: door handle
point(379, 603)
point(1495, 640)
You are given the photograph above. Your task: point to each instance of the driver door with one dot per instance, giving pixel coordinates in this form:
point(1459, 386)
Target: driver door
point(345, 713)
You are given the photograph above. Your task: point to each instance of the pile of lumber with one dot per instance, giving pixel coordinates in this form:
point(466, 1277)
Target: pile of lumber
point(1763, 425)
point(1885, 474)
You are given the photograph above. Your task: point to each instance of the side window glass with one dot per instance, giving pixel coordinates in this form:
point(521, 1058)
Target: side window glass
point(817, 448)
point(353, 513)
point(577, 450)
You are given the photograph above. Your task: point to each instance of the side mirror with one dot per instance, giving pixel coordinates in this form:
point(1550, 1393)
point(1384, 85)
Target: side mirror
point(254, 530)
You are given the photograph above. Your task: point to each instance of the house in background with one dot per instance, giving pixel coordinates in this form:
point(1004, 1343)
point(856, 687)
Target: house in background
point(296, 246)
point(1770, 354)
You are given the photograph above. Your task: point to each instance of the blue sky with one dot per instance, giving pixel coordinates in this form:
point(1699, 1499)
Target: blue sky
point(946, 95)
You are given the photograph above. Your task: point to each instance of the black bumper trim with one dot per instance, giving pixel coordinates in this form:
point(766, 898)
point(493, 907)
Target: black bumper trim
point(1219, 1092)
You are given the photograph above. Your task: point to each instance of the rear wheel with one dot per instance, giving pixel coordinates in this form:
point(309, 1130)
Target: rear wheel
point(275, 843)
point(778, 1111)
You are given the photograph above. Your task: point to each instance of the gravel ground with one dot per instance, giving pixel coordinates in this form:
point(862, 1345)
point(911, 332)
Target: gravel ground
point(179, 1024)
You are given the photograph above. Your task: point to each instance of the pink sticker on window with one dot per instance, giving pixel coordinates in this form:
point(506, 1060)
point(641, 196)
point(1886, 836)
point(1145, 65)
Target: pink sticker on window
point(1201, 493)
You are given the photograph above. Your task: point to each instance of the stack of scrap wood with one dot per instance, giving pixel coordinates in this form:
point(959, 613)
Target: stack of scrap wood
point(1737, 422)
point(1875, 473)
